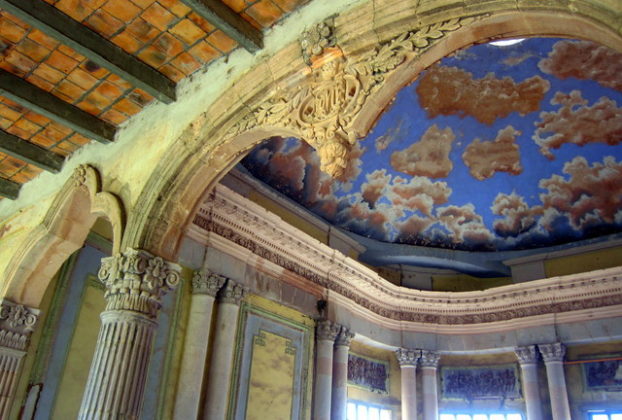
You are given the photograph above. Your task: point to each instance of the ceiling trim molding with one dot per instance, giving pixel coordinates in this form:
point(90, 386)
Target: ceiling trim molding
point(48, 105)
point(30, 153)
point(93, 46)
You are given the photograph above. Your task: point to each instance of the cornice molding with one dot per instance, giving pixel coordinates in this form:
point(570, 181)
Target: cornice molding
point(229, 216)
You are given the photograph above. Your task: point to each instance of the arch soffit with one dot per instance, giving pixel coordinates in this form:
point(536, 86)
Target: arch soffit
point(391, 54)
point(63, 230)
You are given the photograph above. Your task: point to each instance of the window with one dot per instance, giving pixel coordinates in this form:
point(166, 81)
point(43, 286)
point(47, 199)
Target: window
point(606, 415)
point(364, 411)
point(482, 416)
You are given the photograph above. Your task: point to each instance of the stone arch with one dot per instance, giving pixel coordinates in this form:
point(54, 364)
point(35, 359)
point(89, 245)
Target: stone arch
point(63, 230)
point(175, 190)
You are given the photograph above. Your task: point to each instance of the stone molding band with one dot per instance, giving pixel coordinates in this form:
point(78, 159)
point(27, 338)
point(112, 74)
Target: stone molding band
point(236, 219)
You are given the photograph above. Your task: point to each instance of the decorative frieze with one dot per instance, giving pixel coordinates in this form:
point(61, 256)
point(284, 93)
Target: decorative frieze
point(407, 357)
point(17, 323)
point(526, 354)
point(554, 352)
point(234, 218)
point(327, 330)
point(205, 282)
point(232, 292)
point(429, 358)
point(136, 281)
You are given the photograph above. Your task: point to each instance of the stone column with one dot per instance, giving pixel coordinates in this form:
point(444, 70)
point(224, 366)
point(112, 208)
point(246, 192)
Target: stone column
point(205, 285)
point(528, 359)
point(325, 333)
point(553, 355)
point(16, 325)
point(408, 367)
point(429, 364)
point(221, 362)
point(135, 283)
point(339, 396)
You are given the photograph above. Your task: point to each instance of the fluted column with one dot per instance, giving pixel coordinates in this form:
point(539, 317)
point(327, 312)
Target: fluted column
point(16, 325)
point(135, 283)
point(528, 359)
point(553, 356)
point(205, 285)
point(408, 367)
point(340, 374)
point(325, 333)
point(429, 365)
point(221, 363)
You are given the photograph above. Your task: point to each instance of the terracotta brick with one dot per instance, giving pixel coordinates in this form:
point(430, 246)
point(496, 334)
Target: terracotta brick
point(252, 21)
point(109, 90)
point(89, 107)
point(27, 173)
point(236, 5)
point(221, 41)
point(104, 23)
point(4, 123)
point(49, 73)
point(28, 126)
point(187, 31)
point(14, 19)
point(204, 52)
point(123, 84)
point(122, 9)
point(97, 100)
point(41, 38)
point(79, 139)
point(140, 97)
point(11, 31)
point(19, 62)
point(40, 83)
point(186, 63)
point(77, 9)
point(152, 56)
point(113, 116)
point(265, 12)
point(94, 69)
point(67, 146)
point(172, 72)
point(71, 53)
point(10, 165)
point(201, 23)
point(143, 4)
point(70, 90)
point(41, 140)
point(8, 113)
point(55, 132)
point(82, 79)
point(158, 16)
point(127, 107)
point(59, 151)
point(168, 44)
point(37, 118)
point(127, 41)
point(32, 50)
point(61, 62)
point(142, 30)
point(19, 132)
point(176, 7)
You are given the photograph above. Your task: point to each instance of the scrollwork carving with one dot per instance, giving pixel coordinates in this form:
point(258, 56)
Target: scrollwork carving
point(315, 40)
point(136, 281)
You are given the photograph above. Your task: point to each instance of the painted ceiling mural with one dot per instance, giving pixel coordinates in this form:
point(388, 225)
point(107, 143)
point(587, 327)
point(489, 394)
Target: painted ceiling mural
point(492, 148)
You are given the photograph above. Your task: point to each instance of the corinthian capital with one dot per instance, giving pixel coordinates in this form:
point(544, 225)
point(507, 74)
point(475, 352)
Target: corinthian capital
point(136, 281)
point(429, 358)
point(232, 292)
point(526, 355)
point(554, 352)
point(207, 283)
point(16, 324)
point(345, 337)
point(407, 357)
point(327, 330)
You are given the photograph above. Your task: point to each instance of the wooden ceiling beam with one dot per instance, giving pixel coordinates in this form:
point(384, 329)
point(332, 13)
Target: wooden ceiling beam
point(44, 103)
point(232, 24)
point(93, 46)
point(30, 153)
point(9, 189)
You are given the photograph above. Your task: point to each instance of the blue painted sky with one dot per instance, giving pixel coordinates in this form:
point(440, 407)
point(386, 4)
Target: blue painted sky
point(550, 67)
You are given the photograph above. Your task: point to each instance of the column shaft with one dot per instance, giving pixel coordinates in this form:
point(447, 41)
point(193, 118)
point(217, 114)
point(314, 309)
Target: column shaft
point(408, 367)
point(326, 332)
point(429, 364)
point(553, 355)
point(528, 359)
point(340, 383)
point(221, 362)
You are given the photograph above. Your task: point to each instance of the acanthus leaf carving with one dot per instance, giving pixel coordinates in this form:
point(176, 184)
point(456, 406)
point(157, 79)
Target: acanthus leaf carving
point(16, 324)
point(323, 108)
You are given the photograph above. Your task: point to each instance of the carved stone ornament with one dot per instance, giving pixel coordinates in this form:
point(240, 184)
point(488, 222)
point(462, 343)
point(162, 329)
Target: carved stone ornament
point(407, 357)
point(136, 281)
point(232, 292)
point(16, 324)
point(526, 355)
point(322, 108)
point(345, 337)
point(554, 352)
point(315, 40)
point(207, 283)
point(327, 330)
point(429, 358)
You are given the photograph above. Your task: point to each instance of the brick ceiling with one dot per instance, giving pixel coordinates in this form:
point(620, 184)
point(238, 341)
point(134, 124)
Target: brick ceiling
point(167, 35)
